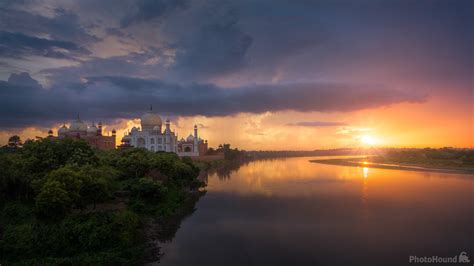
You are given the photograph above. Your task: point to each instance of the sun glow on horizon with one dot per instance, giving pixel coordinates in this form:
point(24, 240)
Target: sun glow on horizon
point(369, 140)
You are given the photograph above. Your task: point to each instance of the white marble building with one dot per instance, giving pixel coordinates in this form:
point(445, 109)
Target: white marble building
point(151, 137)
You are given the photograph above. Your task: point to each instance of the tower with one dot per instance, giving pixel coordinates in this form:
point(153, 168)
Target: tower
point(99, 129)
point(195, 146)
point(167, 123)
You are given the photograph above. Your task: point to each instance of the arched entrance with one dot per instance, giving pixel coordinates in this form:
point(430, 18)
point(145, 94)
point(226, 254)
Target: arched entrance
point(187, 149)
point(141, 143)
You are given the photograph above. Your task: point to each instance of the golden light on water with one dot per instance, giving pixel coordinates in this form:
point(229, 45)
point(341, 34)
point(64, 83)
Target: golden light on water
point(366, 172)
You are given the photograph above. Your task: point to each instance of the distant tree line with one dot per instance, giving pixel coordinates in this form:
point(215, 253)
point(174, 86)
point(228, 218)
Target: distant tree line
point(228, 152)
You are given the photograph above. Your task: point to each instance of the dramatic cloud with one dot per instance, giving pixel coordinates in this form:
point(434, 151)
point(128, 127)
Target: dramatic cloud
point(216, 45)
point(147, 10)
point(18, 45)
point(24, 103)
point(110, 59)
point(64, 25)
point(317, 124)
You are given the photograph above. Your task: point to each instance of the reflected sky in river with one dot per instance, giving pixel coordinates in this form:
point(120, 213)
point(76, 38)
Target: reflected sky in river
point(293, 212)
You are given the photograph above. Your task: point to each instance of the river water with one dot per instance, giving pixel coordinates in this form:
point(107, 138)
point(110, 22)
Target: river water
point(293, 212)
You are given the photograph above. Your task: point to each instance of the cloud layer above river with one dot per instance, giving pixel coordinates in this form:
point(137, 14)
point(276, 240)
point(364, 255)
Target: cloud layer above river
point(111, 97)
point(112, 59)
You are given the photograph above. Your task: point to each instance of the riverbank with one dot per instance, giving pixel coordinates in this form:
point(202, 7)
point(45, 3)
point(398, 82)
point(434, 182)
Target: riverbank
point(62, 203)
point(357, 162)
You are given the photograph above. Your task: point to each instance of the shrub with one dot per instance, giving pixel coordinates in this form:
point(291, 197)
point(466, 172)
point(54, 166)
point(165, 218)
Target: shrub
point(147, 188)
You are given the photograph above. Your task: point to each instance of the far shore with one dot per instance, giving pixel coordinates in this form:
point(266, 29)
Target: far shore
point(423, 168)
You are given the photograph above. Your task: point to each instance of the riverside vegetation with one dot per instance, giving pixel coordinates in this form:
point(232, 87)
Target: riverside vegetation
point(63, 203)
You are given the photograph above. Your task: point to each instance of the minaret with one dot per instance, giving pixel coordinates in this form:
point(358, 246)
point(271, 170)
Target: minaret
point(99, 129)
point(168, 129)
point(168, 139)
point(195, 146)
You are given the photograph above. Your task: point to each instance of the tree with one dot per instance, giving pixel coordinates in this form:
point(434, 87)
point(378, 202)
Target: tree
point(70, 180)
point(14, 141)
point(134, 163)
point(13, 183)
point(95, 184)
point(147, 188)
point(53, 201)
point(43, 156)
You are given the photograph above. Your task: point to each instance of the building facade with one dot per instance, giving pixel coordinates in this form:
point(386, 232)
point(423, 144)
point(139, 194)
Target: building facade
point(152, 137)
point(91, 134)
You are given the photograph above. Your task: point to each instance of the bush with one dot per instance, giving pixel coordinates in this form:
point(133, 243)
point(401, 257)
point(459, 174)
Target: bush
point(147, 188)
point(94, 237)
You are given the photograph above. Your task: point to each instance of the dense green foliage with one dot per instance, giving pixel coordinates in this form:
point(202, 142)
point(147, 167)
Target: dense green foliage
point(64, 203)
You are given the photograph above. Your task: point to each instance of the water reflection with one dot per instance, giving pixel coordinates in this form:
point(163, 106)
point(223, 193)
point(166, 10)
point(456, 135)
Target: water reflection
point(292, 212)
point(365, 194)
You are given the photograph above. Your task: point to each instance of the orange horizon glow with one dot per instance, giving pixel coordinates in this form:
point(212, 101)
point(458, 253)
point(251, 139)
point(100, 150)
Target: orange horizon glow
point(266, 132)
point(433, 124)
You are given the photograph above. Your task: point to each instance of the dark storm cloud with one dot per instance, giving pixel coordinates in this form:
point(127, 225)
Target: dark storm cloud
point(216, 46)
point(63, 26)
point(18, 45)
point(131, 65)
point(146, 10)
point(112, 97)
point(318, 55)
point(317, 124)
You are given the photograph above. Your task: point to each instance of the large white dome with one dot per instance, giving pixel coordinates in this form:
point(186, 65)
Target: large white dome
point(62, 130)
point(78, 125)
point(150, 120)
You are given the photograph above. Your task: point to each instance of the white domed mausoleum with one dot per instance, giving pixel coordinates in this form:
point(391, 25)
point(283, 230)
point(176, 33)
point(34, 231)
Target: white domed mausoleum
point(151, 137)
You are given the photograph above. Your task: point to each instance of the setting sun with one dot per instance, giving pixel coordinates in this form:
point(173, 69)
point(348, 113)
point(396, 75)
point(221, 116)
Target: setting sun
point(368, 140)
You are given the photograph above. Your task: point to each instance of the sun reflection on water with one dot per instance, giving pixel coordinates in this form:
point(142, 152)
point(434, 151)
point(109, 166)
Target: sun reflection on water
point(366, 172)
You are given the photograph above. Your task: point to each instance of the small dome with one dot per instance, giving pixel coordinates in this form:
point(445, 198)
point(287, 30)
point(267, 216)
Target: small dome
point(126, 138)
point(92, 130)
point(149, 120)
point(190, 138)
point(78, 125)
point(62, 130)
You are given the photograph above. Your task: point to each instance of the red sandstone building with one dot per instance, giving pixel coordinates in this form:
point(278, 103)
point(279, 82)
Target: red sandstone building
point(92, 135)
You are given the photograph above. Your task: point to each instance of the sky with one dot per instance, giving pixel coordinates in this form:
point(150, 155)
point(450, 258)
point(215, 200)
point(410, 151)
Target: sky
point(266, 74)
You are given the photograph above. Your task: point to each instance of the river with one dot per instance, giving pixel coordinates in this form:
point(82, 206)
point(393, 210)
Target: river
point(293, 212)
